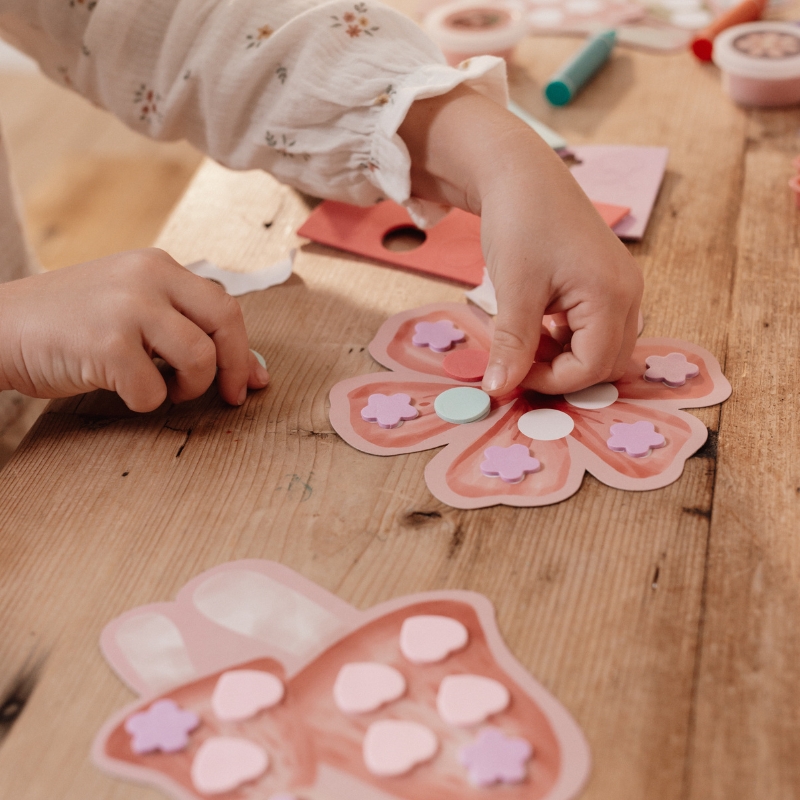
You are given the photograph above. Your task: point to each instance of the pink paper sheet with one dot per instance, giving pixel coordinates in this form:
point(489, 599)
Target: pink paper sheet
point(623, 175)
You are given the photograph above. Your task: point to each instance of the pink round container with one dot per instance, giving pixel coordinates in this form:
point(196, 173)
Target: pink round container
point(760, 63)
point(467, 28)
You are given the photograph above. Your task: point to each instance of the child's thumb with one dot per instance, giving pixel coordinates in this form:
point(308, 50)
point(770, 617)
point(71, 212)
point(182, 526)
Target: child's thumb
point(518, 327)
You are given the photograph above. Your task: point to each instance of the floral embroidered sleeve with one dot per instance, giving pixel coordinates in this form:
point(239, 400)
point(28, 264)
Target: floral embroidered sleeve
point(313, 93)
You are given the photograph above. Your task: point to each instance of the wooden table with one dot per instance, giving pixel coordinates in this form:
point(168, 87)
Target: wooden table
point(665, 621)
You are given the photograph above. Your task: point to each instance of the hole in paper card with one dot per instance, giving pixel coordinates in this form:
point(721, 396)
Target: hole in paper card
point(404, 238)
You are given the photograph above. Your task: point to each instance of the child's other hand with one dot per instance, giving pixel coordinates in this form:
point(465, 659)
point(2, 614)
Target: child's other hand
point(98, 326)
point(546, 248)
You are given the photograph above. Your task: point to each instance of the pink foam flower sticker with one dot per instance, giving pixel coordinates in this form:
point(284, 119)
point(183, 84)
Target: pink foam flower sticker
point(511, 464)
point(439, 336)
point(673, 369)
point(389, 410)
point(165, 726)
point(636, 439)
point(575, 439)
point(496, 758)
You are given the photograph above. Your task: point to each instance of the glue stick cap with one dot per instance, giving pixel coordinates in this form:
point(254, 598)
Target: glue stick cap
point(573, 75)
point(467, 28)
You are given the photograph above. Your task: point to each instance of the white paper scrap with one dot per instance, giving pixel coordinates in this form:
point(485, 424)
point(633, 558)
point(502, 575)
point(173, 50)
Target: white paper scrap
point(551, 138)
point(239, 283)
point(483, 296)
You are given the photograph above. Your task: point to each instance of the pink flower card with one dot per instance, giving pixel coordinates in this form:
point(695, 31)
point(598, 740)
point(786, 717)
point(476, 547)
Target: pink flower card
point(258, 684)
point(527, 449)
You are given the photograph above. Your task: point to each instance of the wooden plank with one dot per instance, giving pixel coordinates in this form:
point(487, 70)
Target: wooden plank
point(600, 596)
point(747, 727)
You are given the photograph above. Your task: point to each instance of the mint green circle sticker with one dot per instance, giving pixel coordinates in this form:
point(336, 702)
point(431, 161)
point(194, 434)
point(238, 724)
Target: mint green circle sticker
point(462, 404)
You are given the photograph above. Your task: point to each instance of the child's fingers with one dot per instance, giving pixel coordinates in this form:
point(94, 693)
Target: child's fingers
point(518, 328)
point(138, 382)
point(259, 377)
point(629, 338)
point(595, 351)
point(189, 351)
point(217, 314)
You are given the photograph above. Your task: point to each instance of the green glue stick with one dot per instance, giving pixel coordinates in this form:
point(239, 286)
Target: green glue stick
point(570, 79)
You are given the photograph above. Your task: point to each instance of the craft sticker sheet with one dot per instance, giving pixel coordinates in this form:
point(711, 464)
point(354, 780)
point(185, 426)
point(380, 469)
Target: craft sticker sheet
point(524, 449)
point(257, 683)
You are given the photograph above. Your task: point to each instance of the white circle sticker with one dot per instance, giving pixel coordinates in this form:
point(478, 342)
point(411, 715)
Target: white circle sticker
point(545, 424)
point(601, 395)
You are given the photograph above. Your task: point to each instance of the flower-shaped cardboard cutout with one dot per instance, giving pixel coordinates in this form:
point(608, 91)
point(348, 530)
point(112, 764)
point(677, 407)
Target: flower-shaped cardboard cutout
point(253, 616)
point(455, 477)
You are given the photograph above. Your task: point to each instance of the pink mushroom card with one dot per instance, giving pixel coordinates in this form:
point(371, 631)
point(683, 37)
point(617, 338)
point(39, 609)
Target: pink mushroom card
point(524, 449)
point(258, 684)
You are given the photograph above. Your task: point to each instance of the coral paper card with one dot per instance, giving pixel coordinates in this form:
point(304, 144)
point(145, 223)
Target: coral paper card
point(531, 449)
point(624, 175)
point(452, 248)
point(257, 684)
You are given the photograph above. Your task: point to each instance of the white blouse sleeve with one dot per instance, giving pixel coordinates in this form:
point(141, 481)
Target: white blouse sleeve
point(313, 93)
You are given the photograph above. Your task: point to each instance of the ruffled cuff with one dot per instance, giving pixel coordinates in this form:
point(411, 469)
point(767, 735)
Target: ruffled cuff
point(484, 74)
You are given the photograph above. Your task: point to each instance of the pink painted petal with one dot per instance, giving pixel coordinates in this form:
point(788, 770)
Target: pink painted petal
point(393, 344)
point(454, 475)
point(684, 435)
point(350, 397)
point(709, 387)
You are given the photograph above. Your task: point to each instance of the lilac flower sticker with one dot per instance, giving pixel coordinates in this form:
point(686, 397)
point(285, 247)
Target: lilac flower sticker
point(389, 410)
point(496, 758)
point(439, 336)
point(165, 726)
point(509, 463)
point(636, 439)
point(673, 369)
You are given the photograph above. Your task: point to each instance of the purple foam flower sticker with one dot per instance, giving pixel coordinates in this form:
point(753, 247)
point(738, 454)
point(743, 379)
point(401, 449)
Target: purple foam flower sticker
point(511, 464)
point(673, 369)
point(496, 758)
point(389, 410)
point(439, 336)
point(636, 439)
point(165, 726)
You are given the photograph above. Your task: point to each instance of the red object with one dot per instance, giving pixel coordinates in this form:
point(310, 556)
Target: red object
point(452, 248)
point(747, 11)
point(466, 365)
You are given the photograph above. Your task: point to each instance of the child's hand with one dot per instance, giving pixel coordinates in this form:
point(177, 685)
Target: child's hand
point(546, 248)
point(98, 326)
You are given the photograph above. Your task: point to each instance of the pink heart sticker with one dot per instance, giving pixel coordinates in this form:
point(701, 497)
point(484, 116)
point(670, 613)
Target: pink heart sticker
point(366, 686)
point(223, 763)
point(395, 747)
point(470, 699)
point(242, 693)
point(428, 638)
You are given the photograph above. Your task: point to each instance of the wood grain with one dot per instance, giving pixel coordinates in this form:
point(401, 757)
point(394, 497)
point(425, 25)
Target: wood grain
point(662, 620)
